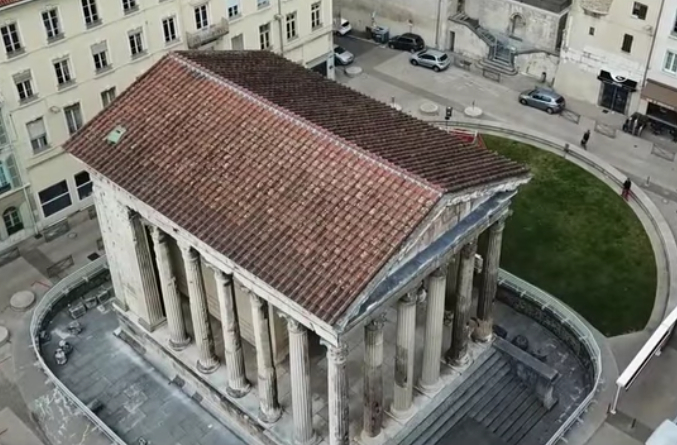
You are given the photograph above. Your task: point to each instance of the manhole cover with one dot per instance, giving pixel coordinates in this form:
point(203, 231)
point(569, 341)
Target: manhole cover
point(22, 301)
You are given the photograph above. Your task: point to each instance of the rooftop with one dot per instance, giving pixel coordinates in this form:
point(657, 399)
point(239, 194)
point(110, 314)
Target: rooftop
point(304, 182)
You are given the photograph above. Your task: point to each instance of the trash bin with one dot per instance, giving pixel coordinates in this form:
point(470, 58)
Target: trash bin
point(380, 34)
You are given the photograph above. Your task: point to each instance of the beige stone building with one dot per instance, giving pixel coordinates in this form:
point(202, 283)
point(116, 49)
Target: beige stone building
point(62, 62)
point(273, 223)
point(606, 52)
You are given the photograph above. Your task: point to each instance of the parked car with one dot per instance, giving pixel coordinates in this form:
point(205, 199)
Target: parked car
point(408, 42)
point(342, 56)
point(342, 27)
point(543, 99)
point(431, 58)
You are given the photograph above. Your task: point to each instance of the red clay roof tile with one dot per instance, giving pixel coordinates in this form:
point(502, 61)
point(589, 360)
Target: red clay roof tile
point(312, 198)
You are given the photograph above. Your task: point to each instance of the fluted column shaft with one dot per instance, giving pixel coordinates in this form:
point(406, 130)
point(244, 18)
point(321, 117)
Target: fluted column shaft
point(207, 361)
point(451, 287)
point(178, 337)
point(458, 353)
point(489, 283)
point(373, 378)
point(337, 384)
point(404, 357)
point(151, 292)
point(238, 385)
point(301, 397)
point(269, 406)
point(432, 348)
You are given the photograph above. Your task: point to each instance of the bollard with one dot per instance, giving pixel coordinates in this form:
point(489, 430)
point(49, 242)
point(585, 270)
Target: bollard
point(633, 424)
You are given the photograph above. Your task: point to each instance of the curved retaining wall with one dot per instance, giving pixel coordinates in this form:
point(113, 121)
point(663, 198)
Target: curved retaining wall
point(57, 298)
point(666, 292)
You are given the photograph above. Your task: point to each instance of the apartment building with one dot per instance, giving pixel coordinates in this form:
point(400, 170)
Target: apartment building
point(659, 95)
point(606, 52)
point(63, 61)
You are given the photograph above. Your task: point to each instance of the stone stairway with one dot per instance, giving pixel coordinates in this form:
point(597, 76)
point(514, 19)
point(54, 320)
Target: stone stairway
point(495, 398)
point(500, 57)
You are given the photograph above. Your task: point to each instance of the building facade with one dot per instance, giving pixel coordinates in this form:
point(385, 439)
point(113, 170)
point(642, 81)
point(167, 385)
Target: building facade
point(275, 211)
point(659, 95)
point(63, 62)
point(606, 52)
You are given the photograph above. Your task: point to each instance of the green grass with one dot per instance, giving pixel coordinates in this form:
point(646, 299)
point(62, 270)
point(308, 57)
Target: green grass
point(573, 236)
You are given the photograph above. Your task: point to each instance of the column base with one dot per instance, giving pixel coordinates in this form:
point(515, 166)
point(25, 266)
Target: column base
point(179, 346)
point(364, 439)
point(312, 441)
point(270, 416)
point(150, 328)
point(238, 393)
point(208, 368)
point(401, 416)
point(460, 362)
point(483, 332)
point(430, 390)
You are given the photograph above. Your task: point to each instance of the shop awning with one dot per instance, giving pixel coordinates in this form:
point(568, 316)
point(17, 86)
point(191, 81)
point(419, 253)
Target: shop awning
point(662, 94)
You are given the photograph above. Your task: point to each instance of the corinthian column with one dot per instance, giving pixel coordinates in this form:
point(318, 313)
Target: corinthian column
point(337, 384)
point(485, 303)
point(207, 361)
point(401, 408)
point(152, 305)
point(432, 348)
point(301, 397)
point(238, 386)
point(450, 291)
point(178, 338)
point(458, 353)
point(373, 379)
point(269, 406)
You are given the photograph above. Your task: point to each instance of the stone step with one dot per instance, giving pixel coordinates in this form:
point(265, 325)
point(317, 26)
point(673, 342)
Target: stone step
point(466, 401)
point(515, 416)
point(498, 66)
point(425, 429)
point(519, 398)
point(528, 420)
point(503, 396)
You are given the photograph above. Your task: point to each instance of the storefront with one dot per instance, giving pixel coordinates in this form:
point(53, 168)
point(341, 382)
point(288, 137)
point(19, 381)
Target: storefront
point(615, 92)
point(661, 103)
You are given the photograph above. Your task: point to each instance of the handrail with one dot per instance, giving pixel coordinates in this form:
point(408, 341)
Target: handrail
point(573, 321)
point(52, 296)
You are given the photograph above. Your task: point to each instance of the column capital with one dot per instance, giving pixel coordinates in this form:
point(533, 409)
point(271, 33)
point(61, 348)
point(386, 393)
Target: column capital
point(336, 354)
point(187, 251)
point(469, 249)
point(421, 293)
point(293, 325)
point(440, 272)
point(158, 235)
point(499, 225)
point(221, 277)
point(257, 302)
point(409, 298)
point(376, 323)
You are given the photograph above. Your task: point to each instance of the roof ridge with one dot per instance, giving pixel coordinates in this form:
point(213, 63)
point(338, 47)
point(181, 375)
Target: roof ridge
point(303, 122)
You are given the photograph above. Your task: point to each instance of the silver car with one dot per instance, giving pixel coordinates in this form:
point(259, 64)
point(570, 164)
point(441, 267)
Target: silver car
point(343, 56)
point(431, 58)
point(543, 99)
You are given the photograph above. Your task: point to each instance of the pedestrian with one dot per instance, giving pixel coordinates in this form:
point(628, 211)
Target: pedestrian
point(626, 189)
point(586, 137)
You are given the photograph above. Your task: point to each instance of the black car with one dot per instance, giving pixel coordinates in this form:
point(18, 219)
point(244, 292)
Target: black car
point(408, 42)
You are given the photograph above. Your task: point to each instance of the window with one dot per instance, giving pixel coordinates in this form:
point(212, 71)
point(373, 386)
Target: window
point(129, 6)
point(4, 139)
point(11, 40)
point(169, 29)
point(639, 10)
point(670, 62)
point(264, 36)
point(73, 114)
point(107, 96)
point(136, 43)
point(91, 13)
point(38, 135)
point(591, 31)
point(54, 198)
point(50, 19)
point(315, 15)
point(100, 57)
point(237, 42)
point(626, 47)
point(291, 26)
point(5, 185)
point(63, 73)
point(201, 18)
point(83, 183)
point(24, 86)
point(233, 8)
point(12, 220)
point(262, 3)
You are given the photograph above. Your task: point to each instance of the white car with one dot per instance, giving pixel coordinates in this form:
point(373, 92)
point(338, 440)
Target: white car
point(342, 27)
point(343, 56)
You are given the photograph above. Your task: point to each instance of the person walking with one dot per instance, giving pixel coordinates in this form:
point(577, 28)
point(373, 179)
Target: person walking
point(626, 189)
point(586, 137)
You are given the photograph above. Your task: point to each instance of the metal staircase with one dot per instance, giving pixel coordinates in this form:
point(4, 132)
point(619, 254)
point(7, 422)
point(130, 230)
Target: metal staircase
point(501, 56)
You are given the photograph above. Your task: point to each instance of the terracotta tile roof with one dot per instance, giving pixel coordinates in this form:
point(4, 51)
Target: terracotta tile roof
point(412, 144)
point(4, 3)
point(312, 214)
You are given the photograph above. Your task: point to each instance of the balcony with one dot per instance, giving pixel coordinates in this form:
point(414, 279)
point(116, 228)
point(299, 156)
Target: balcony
point(596, 8)
point(207, 35)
